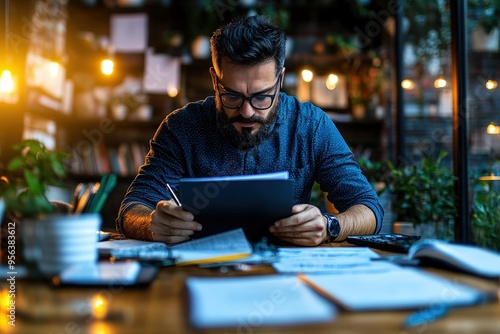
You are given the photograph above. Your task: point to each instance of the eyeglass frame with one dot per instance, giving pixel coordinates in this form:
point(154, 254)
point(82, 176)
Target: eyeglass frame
point(248, 98)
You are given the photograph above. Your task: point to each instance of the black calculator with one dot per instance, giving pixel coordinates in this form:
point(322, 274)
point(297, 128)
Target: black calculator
point(393, 242)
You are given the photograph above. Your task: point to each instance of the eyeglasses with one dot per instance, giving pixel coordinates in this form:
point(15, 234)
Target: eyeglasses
point(258, 101)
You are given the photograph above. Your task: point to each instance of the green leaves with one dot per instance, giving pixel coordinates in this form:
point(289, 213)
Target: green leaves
point(486, 215)
point(30, 173)
point(423, 192)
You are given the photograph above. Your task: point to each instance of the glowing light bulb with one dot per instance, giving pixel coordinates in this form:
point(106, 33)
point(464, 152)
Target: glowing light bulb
point(7, 84)
point(407, 84)
point(440, 82)
point(491, 84)
point(172, 91)
point(307, 75)
point(332, 81)
point(53, 69)
point(107, 66)
point(493, 129)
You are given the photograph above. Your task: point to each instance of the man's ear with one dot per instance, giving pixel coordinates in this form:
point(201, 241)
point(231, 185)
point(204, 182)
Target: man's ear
point(283, 70)
point(213, 75)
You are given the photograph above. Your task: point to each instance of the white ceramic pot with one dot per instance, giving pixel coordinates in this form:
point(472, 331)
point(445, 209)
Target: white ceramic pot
point(57, 241)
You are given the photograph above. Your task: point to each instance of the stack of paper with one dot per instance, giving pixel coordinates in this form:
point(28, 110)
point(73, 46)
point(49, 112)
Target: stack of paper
point(254, 301)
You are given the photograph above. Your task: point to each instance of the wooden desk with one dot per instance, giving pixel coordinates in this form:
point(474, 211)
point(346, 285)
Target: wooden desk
point(162, 308)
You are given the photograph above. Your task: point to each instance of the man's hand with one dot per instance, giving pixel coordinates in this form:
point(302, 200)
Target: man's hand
point(171, 224)
point(306, 226)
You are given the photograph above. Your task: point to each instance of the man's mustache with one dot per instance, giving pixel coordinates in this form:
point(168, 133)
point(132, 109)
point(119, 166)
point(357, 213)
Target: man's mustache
point(241, 119)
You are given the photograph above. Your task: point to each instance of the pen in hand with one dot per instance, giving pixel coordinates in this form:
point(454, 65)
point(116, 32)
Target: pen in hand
point(176, 200)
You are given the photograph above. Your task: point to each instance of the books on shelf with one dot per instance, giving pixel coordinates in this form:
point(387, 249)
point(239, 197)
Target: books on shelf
point(123, 159)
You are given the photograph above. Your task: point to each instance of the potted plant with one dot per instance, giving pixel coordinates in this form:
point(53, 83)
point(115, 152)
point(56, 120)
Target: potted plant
point(47, 229)
point(424, 195)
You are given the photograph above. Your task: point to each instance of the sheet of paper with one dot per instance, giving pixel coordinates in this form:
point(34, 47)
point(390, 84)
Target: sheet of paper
point(129, 32)
point(403, 288)
point(253, 301)
point(329, 260)
point(162, 73)
point(266, 176)
point(225, 246)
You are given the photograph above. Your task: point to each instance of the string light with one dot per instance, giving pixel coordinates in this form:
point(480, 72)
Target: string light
point(8, 80)
point(307, 75)
point(107, 66)
point(440, 82)
point(331, 81)
point(407, 84)
point(491, 84)
point(7, 85)
point(493, 129)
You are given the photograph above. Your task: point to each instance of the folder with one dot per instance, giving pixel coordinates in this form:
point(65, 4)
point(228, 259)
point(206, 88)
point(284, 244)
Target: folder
point(251, 202)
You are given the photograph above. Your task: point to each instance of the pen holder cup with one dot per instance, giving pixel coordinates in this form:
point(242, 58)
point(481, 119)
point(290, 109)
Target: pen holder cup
point(57, 241)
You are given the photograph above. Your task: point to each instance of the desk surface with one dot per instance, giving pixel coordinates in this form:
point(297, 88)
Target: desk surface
point(162, 308)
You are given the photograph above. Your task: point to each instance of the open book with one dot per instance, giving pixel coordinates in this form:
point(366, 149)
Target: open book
point(251, 202)
point(467, 258)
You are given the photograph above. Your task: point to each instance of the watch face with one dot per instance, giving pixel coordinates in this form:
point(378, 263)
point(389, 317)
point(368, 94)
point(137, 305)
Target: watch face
point(333, 226)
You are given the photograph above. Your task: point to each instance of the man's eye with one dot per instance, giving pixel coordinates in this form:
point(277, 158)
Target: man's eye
point(260, 97)
point(233, 97)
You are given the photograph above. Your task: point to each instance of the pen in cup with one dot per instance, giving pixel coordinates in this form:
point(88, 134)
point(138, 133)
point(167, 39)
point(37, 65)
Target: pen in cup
point(170, 190)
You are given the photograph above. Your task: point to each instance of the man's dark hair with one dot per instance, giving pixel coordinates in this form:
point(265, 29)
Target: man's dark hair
point(248, 41)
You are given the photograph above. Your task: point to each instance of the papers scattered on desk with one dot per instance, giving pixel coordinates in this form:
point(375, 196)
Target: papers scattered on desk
point(329, 260)
point(226, 246)
point(221, 247)
point(401, 288)
point(254, 301)
point(130, 248)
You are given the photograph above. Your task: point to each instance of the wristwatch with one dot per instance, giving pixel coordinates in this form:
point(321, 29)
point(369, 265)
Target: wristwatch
point(332, 227)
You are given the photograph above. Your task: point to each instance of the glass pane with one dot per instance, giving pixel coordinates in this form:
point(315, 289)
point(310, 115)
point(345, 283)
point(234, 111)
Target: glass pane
point(484, 121)
point(428, 116)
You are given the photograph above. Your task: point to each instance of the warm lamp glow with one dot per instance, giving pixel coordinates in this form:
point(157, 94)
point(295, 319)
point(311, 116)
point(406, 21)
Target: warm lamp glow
point(53, 69)
point(493, 129)
point(4, 300)
point(491, 84)
point(440, 82)
point(407, 84)
point(7, 84)
point(307, 75)
point(107, 66)
point(172, 91)
point(332, 81)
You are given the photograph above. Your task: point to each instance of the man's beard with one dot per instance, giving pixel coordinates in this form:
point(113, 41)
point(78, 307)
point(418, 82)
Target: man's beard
point(245, 140)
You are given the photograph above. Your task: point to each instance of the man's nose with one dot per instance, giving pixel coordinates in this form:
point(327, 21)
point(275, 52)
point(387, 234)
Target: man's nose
point(246, 109)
